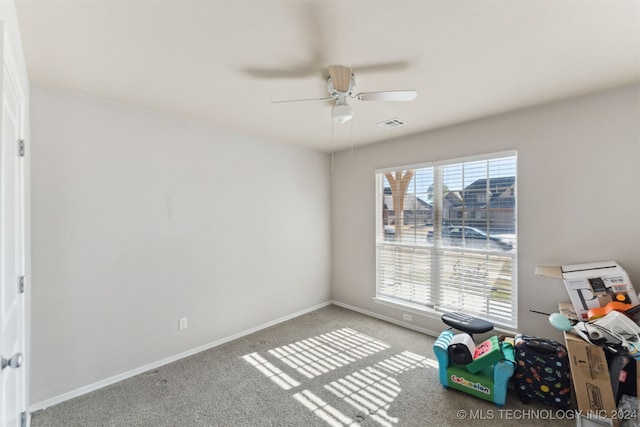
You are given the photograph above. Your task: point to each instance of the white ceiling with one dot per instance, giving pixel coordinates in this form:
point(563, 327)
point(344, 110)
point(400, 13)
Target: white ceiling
point(223, 61)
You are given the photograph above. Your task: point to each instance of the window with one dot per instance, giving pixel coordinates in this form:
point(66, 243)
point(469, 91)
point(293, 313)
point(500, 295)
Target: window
point(446, 236)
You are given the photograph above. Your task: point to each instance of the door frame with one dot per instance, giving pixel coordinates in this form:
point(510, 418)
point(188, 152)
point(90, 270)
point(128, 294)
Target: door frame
point(10, 71)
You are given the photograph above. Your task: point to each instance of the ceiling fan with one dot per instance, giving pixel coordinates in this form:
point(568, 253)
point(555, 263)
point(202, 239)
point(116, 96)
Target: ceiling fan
point(341, 85)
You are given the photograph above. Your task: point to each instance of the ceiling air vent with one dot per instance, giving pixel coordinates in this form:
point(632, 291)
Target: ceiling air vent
point(392, 123)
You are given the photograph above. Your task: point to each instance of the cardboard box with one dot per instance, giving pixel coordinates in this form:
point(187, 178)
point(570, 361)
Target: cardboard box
point(590, 375)
point(592, 285)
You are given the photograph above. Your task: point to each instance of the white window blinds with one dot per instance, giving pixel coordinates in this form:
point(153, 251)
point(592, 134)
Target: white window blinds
point(446, 236)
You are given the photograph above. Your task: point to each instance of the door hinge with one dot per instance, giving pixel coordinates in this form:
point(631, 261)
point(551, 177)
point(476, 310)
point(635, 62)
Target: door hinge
point(21, 148)
point(21, 285)
point(23, 419)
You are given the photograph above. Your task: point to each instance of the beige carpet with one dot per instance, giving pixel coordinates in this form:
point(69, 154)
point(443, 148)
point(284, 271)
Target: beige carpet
point(331, 367)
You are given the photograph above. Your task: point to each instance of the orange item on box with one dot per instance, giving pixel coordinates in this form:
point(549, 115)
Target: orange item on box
point(596, 313)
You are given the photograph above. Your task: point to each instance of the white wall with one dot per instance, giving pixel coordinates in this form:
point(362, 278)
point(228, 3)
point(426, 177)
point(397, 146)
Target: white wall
point(141, 218)
point(578, 196)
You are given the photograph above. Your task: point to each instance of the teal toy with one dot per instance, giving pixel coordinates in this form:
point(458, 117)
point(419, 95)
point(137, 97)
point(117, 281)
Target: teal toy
point(491, 383)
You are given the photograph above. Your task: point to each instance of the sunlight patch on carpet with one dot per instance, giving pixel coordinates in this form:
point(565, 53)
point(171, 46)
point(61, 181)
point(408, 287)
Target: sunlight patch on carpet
point(315, 356)
point(370, 391)
point(373, 389)
point(323, 410)
point(271, 371)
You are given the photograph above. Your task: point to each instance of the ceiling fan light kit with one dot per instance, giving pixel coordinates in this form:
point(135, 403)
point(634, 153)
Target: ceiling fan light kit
point(342, 113)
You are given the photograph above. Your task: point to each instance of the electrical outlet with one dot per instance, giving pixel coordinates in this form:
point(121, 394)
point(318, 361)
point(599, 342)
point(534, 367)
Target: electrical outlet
point(406, 317)
point(183, 323)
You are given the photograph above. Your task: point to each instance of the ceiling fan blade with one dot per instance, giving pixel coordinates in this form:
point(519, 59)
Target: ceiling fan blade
point(394, 95)
point(281, 73)
point(302, 100)
point(382, 67)
point(341, 77)
point(308, 16)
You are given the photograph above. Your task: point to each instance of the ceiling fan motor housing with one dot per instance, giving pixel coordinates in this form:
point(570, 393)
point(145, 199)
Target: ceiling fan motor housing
point(335, 92)
point(341, 111)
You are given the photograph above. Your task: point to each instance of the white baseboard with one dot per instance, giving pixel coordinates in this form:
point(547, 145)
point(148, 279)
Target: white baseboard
point(387, 319)
point(123, 376)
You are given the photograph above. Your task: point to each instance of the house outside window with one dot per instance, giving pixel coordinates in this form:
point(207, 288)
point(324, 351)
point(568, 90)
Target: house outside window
point(446, 236)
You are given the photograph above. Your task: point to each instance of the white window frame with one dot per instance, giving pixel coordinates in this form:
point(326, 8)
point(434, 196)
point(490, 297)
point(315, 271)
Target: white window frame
point(433, 303)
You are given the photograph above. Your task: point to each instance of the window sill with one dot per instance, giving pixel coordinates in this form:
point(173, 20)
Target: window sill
point(430, 313)
point(409, 307)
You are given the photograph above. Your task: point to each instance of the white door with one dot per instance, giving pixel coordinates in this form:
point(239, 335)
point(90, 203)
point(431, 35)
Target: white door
point(12, 251)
